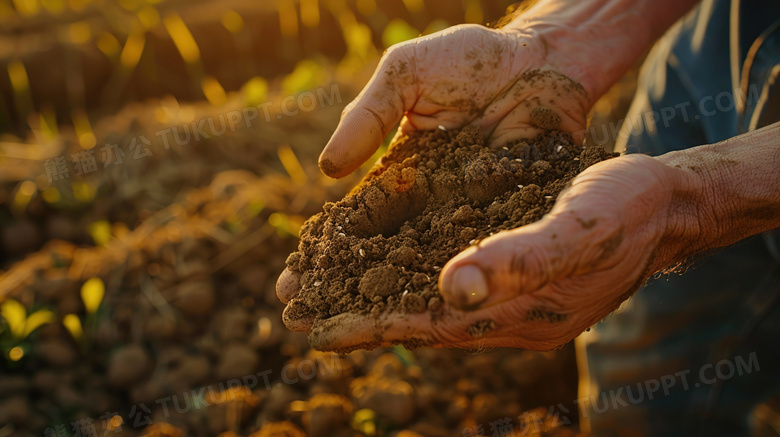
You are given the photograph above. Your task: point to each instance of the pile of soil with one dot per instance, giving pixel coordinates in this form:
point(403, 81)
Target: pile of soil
point(381, 248)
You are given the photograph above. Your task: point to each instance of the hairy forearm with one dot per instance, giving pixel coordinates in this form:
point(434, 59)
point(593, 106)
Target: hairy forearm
point(727, 191)
point(595, 41)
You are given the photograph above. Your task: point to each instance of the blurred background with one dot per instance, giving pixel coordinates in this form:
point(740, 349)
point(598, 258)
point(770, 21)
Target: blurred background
point(157, 159)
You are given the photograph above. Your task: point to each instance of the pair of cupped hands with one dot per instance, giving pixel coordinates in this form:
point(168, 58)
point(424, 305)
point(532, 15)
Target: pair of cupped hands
point(607, 233)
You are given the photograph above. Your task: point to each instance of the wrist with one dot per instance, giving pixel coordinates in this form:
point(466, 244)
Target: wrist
point(691, 225)
point(593, 57)
point(732, 187)
point(594, 42)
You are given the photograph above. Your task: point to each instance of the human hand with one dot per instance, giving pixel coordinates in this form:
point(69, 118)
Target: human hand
point(500, 80)
point(541, 285)
point(544, 69)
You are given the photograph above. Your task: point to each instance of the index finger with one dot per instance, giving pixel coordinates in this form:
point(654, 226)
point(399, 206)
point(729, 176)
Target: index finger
point(372, 115)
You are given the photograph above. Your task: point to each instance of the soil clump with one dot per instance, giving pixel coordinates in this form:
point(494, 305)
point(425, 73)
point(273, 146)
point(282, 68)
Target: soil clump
point(432, 195)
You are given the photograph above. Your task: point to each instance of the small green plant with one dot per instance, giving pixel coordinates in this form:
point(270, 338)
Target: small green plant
point(92, 293)
point(17, 327)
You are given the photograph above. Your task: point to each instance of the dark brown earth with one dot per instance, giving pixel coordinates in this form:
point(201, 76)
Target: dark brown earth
point(433, 194)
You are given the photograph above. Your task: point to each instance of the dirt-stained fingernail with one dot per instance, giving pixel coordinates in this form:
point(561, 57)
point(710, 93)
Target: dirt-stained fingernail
point(287, 285)
point(330, 168)
point(468, 287)
point(297, 316)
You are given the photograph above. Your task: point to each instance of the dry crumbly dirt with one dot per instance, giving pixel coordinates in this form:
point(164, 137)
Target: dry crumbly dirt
point(433, 194)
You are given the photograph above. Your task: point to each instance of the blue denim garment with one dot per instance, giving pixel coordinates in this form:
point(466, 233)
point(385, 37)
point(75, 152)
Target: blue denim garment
point(693, 354)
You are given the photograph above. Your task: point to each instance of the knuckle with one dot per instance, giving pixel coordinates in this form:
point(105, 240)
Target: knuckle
point(348, 108)
point(397, 52)
point(530, 259)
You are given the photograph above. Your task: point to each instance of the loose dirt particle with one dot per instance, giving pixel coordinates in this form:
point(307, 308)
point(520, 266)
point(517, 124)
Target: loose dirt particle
point(481, 328)
point(543, 315)
point(380, 281)
point(413, 303)
point(545, 118)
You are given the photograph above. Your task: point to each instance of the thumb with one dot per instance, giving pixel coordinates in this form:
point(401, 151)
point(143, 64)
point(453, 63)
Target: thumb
point(510, 264)
point(369, 118)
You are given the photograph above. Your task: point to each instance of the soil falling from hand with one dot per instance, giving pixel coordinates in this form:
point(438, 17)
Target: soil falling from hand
point(433, 194)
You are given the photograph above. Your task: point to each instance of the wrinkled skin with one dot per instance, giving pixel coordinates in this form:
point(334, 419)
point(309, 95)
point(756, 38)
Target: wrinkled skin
point(544, 283)
point(464, 75)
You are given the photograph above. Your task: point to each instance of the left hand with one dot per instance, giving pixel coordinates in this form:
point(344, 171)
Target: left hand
point(502, 80)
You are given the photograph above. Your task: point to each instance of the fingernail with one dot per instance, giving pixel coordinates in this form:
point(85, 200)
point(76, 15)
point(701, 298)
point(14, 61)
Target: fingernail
point(287, 285)
point(469, 287)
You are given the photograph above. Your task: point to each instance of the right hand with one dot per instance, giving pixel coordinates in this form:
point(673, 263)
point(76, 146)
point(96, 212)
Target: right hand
point(539, 286)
